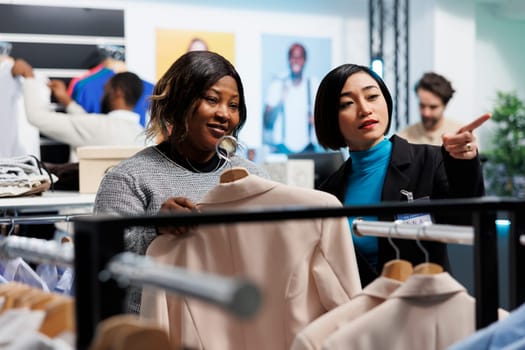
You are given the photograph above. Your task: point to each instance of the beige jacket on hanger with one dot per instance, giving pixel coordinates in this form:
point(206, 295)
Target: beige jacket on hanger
point(303, 267)
point(426, 312)
point(313, 336)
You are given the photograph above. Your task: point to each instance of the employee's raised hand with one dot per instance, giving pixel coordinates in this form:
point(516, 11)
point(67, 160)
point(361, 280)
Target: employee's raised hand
point(59, 90)
point(463, 144)
point(22, 68)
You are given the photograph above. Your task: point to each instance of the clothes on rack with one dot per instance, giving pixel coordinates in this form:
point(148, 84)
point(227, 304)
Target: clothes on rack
point(19, 270)
point(508, 333)
point(19, 138)
point(425, 312)
point(87, 91)
point(304, 268)
point(73, 82)
point(314, 334)
point(415, 312)
point(32, 319)
point(33, 315)
point(101, 229)
point(48, 275)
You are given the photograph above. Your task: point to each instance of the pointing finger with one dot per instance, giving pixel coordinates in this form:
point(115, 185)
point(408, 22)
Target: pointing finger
point(475, 124)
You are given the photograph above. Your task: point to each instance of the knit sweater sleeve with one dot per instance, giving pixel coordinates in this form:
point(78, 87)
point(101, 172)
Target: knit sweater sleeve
point(119, 195)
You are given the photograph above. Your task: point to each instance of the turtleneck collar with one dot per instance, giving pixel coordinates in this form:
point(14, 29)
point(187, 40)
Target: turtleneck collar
point(372, 158)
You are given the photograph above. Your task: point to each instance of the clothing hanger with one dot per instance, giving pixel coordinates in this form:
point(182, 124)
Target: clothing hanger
point(129, 332)
point(59, 309)
point(144, 337)
point(233, 174)
point(426, 268)
point(10, 292)
point(229, 145)
point(396, 269)
point(114, 57)
point(60, 316)
point(12, 226)
point(33, 296)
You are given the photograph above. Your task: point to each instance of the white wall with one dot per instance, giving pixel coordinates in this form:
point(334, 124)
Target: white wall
point(421, 46)
point(454, 52)
point(443, 40)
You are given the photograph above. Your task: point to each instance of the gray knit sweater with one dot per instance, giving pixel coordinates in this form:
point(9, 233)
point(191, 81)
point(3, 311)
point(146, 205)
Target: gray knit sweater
point(139, 185)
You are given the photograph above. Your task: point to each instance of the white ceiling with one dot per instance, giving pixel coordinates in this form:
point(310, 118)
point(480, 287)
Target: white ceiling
point(508, 9)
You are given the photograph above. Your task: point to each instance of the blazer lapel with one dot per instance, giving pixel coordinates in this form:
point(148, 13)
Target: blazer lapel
point(395, 179)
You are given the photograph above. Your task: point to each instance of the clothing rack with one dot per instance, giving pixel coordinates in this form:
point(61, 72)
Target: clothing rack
point(38, 219)
point(98, 239)
point(37, 250)
point(237, 296)
point(398, 229)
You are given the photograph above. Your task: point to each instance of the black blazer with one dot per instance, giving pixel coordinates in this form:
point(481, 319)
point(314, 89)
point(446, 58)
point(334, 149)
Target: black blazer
point(426, 171)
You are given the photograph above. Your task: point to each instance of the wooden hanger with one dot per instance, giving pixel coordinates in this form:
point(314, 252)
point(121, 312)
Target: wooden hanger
point(59, 309)
point(60, 316)
point(128, 332)
point(233, 174)
point(426, 268)
point(11, 292)
point(144, 337)
point(10, 286)
point(33, 298)
point(397, 269)
point(106, 329)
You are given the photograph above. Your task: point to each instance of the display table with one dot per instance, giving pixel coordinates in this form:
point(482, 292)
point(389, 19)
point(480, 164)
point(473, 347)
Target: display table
point(48, 201)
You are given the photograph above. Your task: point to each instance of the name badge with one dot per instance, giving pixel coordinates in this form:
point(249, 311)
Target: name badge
point(414, 218)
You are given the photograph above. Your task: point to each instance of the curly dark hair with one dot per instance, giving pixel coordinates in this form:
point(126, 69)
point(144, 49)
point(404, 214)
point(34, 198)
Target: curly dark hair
point(179, 91)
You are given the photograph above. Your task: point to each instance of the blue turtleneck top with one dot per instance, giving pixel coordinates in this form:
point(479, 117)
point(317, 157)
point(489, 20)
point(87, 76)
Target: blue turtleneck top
point(365, 184)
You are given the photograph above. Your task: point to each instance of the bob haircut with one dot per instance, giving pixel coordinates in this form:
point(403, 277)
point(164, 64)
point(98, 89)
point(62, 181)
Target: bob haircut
point(177, 94)
point(326, 110)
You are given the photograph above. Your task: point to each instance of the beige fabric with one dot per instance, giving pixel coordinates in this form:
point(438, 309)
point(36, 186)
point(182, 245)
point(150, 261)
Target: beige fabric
point(303, 267)
point(416, 133)
point(313, 336)
point(426, 312)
